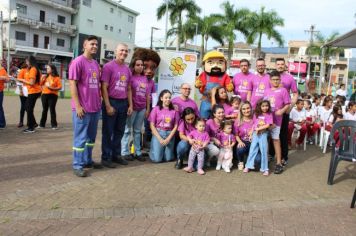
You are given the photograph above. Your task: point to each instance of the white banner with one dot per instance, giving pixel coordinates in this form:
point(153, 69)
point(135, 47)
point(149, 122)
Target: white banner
point(176, 68)
point(348, 53)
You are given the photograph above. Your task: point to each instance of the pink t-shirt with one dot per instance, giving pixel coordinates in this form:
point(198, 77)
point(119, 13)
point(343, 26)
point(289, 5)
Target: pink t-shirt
point(242, 84)
point(231, 111)
point(278, 98)
point(262, 119)
point(226, 107)
point(140, 90)
point(87, 74)
point(259, 85)
point(180, 104)
point(225, 139)
point(244, 129)
point(185, 128)
point(164, 119)
point(199, 137)
point(118, 78)
point(212, 128)
point(289, 83)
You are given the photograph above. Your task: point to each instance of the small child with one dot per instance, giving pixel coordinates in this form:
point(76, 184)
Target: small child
point(233, 111)
point(310, 116)
point(227, 141)
point(351, 111)
point(262, 120)
point(199, 139)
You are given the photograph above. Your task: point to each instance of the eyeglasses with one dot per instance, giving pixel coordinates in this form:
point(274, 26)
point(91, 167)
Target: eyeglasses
point(186, 88)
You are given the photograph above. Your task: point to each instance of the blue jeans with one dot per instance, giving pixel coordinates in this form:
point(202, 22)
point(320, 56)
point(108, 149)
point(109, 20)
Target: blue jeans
point(240, 152)
point(113, 129)
point(259, 144)
point(84, 134)
point(158, 153)
point(2, 114)
point(135, 122)
point(182, 149)
point(205, 109)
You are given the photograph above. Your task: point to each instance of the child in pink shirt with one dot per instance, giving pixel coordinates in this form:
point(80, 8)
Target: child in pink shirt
point(227, 141)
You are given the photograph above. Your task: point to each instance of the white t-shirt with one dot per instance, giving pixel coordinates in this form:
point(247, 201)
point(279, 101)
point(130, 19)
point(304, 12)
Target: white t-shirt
point(310, 113)
point(324, 114)
point(349, 116)
point(297, 116)
point(341, 92)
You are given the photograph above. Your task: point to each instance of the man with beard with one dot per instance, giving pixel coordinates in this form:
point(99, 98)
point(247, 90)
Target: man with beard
point(214, 64)
point(260, 83)
point(243, 81)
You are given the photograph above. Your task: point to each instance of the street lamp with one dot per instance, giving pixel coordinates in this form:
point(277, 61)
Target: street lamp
point(152, 28)
point(196, 35)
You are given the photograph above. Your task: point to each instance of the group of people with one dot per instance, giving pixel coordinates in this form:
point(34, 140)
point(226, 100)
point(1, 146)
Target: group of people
point(31, 85)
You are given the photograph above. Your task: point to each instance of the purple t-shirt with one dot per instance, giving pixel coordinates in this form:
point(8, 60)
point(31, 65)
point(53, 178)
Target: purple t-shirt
point(225, 139)
point(185, 128)
point(278, 98)
point(262, 119)
point(242, 84)
point(231, 111)
point(259, 85)
point(199, 137)
point(180, 104)
point(118, 78)
point(244, 129)
point(212, 128)
point(87, 74)
point(289, 83)
point(151, 86)
point(164, 119)
point(140, 90)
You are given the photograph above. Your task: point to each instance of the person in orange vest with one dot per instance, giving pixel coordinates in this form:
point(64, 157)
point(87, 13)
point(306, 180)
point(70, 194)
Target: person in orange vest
point(3, 78)
point(51, 83)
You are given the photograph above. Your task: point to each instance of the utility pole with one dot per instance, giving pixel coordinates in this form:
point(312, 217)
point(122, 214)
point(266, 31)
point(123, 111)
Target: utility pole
point(311, 31)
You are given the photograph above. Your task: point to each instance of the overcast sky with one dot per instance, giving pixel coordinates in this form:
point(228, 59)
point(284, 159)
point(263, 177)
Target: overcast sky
point(327, 15)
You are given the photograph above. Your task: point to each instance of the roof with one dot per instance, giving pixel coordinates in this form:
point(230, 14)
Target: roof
point(275, 50)
point(117, 4)
point(347, 40)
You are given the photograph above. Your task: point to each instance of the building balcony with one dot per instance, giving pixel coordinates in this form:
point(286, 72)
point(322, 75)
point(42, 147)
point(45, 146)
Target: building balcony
point(67, 6)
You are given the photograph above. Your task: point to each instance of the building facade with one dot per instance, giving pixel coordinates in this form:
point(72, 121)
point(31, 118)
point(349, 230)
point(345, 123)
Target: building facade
point(110, 21)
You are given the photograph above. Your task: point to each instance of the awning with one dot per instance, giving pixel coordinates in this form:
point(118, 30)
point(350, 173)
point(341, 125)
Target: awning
point(347, 40)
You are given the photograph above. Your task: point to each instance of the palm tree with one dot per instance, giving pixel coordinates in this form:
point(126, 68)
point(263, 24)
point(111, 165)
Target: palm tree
point(264, 23)
point(231, 21)
point(176, 9)
point(187, 33)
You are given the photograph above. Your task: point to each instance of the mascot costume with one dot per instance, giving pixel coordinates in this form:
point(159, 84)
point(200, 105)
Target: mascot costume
point(214, 75)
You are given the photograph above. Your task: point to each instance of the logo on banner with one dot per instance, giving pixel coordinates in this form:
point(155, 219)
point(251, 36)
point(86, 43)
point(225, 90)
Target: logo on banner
point(177, 66)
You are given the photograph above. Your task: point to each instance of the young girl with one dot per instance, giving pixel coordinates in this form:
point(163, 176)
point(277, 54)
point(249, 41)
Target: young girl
point(335, 116)
point(243, 128)
point(227, 141)
point(199, 139)
point(141, 96)
point(186, 125)
point(163, 122)
point(219, 96)
point(51, 83)
point(325, 110)
point(351, 111)
point(233, 111)
point(316, 106)
point(312, 126)
point(262, 120)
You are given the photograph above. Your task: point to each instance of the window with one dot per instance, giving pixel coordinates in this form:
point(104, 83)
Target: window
point(111, 28)
point(111, 10)
point(20, 36)
point(21, 9)
point(119, 31)
point(90, 23)
point(46, 42)
point(87, 3)
point(119, 13)
point(130, 35)
point(35, 40)
point(105, 46)
point(42, 16)
point(61, 19)
point(273, 59)
point(60, 42)
point(130, 19)
point(106, 27)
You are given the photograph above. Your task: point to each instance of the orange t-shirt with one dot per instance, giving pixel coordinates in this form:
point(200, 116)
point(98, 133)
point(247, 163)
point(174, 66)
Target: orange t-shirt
point(2, 73)
point(31, 74)
point(53, 82)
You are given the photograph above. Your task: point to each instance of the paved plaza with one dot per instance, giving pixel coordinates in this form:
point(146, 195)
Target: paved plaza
point(39, 195)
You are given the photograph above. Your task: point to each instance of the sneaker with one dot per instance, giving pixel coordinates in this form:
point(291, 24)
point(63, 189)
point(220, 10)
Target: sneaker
point(120, 161)
point(227, 169)
point(265, 173)
point(80, 173)
point(188, 169)
point(311, 142)
point(20, 125)
point(54, 127)
point(93, 165)
point(246, 170)
point(1, 128)
point(128, 158)
point(201, 172)
point(240, 166)
point(179, 164)
point(278, 169)
point(218, 167)
point(39, 127)
point(284, 163)
point(28, 131)
point(140, 158)
point(108, 164)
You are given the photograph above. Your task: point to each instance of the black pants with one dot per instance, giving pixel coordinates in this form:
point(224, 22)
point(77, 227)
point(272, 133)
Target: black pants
point(283, 137)
point(49, 101)
point(30, 106)
point(23, 100)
